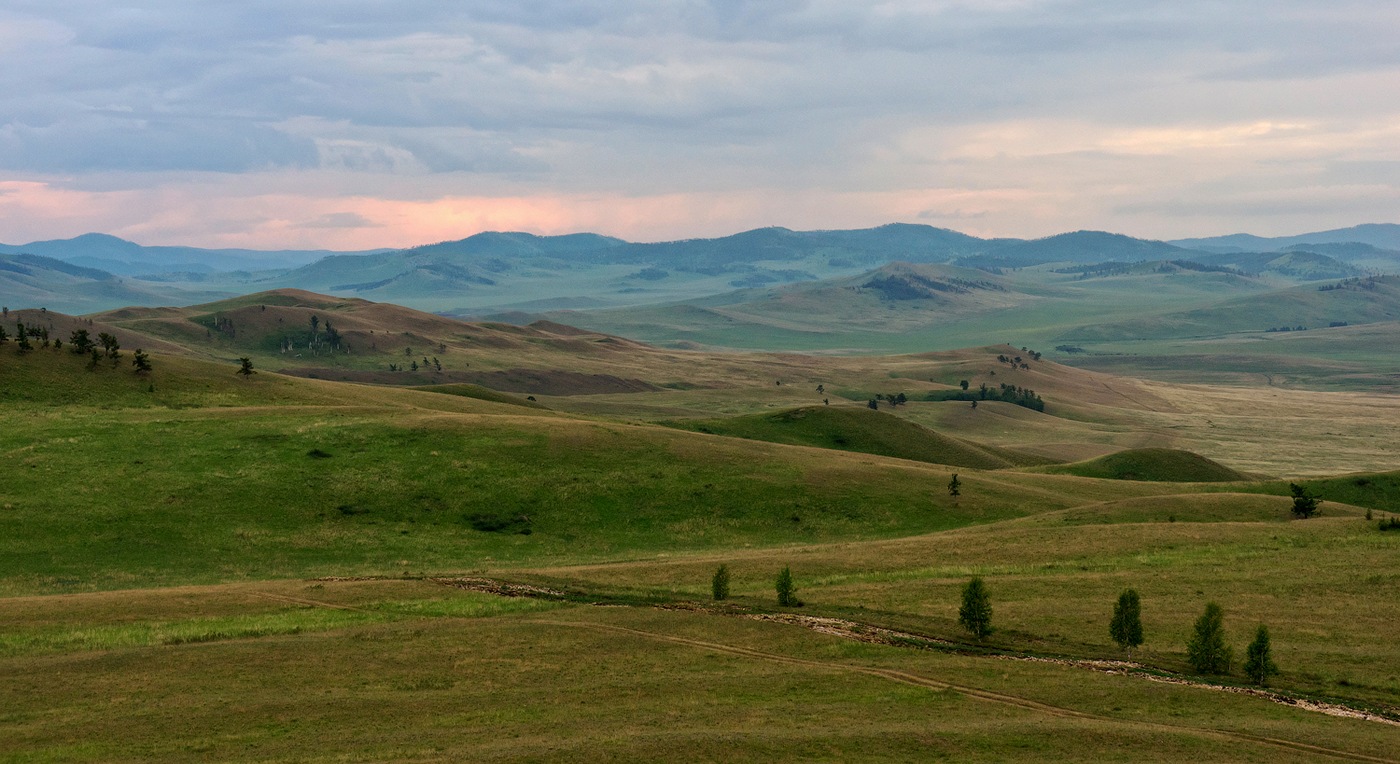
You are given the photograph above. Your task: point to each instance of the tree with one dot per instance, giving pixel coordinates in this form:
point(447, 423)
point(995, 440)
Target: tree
point(3, 335)
point(1259, 662)
point(719, 584)
point(1126, 626)
point(872, 404)
point(955, 486)
point(1207, 650)
point(110, 347)
point(141, 361)
point(787, 590)
point(1304, 503)
point(963, 384)
point(975, 615)
point(22, 336)
point(245, 367)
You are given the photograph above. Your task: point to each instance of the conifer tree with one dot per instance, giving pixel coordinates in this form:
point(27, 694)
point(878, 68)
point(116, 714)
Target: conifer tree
point(1259, 662)
point(787, 590)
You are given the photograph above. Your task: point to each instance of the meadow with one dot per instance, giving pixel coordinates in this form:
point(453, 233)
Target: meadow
point(199, 566)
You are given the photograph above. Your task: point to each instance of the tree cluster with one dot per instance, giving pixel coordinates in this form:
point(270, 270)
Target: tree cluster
point(1021, 396)
point(79, 343)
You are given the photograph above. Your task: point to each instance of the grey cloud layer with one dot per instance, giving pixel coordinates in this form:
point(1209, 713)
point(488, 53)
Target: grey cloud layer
point(632, 96)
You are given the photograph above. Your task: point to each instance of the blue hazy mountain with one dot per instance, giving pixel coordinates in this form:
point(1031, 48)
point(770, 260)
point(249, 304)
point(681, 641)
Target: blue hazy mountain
point(126, 258)
point(1383, 236)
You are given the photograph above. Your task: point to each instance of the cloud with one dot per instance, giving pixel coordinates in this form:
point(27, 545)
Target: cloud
point(1068, 105)
point(340, 220)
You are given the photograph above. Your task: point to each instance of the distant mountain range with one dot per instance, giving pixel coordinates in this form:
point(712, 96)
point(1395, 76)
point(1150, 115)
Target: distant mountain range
point(496, 272)
point(1379, 235)
point(124, 258)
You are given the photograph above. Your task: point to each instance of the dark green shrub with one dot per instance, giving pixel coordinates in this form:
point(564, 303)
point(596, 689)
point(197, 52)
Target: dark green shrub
point(490, 523)
point(719, 584)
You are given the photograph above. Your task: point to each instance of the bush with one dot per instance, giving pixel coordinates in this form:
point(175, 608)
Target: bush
point(975, 615)
point(1126, 626)
point(1207, 650)
point(719, 585)
point(488, 523)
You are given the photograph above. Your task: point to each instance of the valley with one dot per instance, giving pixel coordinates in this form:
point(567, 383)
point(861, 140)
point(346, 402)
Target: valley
point(172, 536)
point(502, 521)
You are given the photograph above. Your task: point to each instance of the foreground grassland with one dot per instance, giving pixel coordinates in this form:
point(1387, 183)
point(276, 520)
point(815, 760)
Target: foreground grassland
point(195, 566)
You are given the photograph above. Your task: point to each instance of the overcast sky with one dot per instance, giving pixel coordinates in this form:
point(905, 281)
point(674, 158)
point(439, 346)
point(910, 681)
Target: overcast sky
point(368, 123)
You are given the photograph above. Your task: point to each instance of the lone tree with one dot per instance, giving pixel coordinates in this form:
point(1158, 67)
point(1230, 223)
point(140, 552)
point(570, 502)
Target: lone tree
point(79, 342)
point(141, 361)
point(1126, 626)
point(955, 486)
point(1304, 503)
point(975, 615)
point(719, 585)
point(1207, 650)
point(1259, 661)
point(245, 367)
point(787, 590)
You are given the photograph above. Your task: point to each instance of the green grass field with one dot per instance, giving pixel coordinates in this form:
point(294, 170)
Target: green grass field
point(198, 566)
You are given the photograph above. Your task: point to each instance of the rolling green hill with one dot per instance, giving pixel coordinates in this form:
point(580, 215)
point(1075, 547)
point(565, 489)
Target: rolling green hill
point(860, 430)
point(431, 576)
point(1354, 301)
point(1152, 464)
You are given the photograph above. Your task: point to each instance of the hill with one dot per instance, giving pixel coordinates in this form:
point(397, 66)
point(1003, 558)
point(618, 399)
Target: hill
point(1353, 301)
point(1077, 247)
point(861, 430)
point(1152, 464)
point(28, 280)
point(128, 258)
point(1384, 236)
point(906, 307)
point(447, 577)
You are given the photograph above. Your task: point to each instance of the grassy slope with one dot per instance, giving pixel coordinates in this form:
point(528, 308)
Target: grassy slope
point(1155, 464)
point(224, 480)
point(481, 393)
point(861, 430)
point(214, 477)
point(514, 688)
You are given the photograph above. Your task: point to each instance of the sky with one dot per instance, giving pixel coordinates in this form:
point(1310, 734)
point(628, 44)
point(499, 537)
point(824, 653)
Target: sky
point(369, 123)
